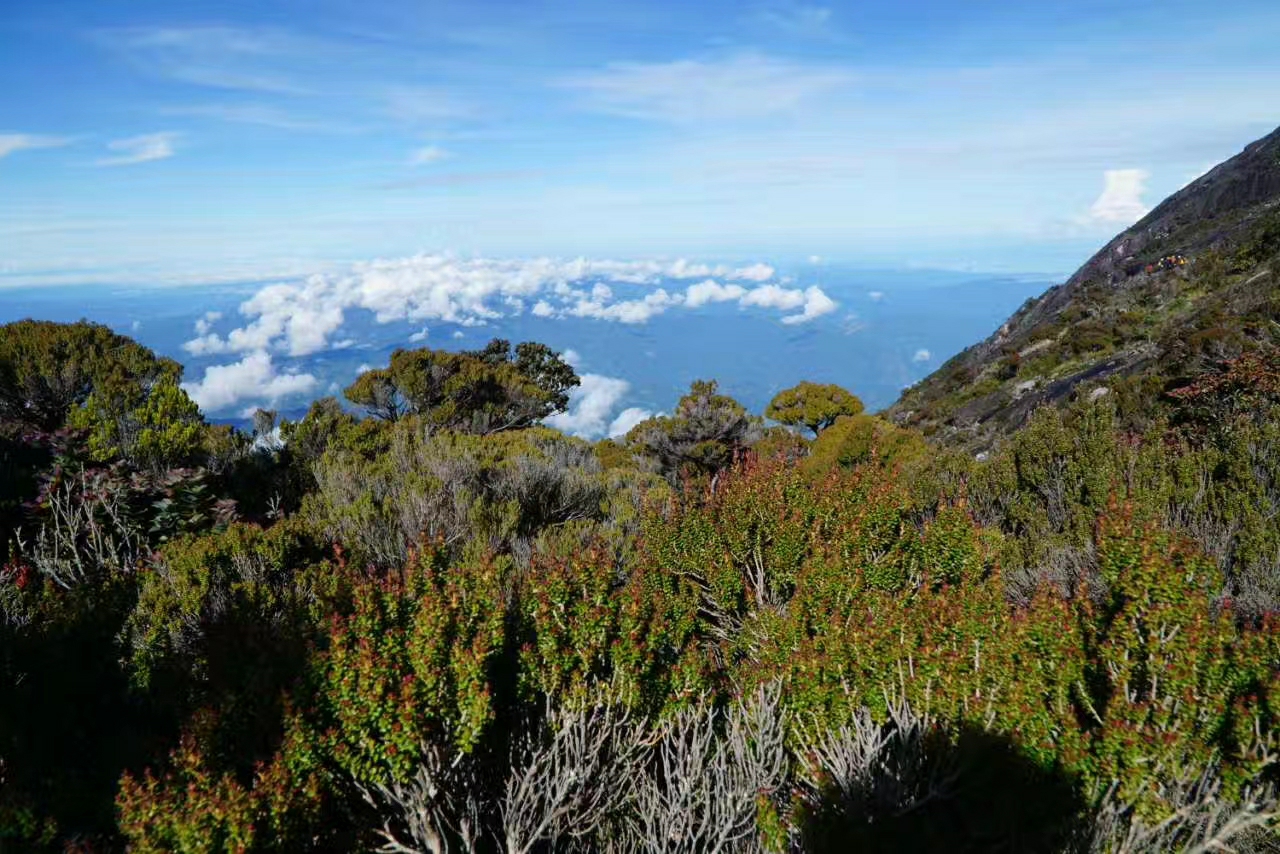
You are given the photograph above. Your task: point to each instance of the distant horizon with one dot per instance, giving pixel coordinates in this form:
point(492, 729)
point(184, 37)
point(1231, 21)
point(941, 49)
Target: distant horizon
point(637, 332)
point(51, 279)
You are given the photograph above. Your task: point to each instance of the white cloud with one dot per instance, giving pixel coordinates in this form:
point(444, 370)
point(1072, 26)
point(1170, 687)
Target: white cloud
point(755, 273)
point(812, 300)
point(626, 311)
point(816, 304)
point(592, 402)
point(253, 378)
point(14, 142)
point(627, 418)
point(140, 149)
point(922, 355)
point(875, 296)
point(428, 154)
point(301, 317)
point(746, 86)
point(590, 405)
point(204, 324)
point(711, 291)
point(420, 335)
point(774, 296)
point(1121, 200)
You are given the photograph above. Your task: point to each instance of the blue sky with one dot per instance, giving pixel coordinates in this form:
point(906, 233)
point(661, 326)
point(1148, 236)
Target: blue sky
point(180, 142)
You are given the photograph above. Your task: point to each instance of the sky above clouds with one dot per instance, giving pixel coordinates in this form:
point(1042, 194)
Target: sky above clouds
point(152, 141)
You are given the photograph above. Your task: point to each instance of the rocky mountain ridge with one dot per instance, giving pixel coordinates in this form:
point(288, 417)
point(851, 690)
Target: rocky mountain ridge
point(1191, 284)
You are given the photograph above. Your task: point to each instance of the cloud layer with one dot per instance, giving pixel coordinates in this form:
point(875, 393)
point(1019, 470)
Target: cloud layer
point(301, 318)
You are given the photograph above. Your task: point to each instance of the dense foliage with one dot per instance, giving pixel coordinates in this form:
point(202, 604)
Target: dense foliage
point(483, 391)
point(444, 627)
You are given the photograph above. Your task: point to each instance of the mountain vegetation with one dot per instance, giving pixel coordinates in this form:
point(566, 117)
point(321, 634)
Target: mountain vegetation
point(999, 617)
point(1192, 286)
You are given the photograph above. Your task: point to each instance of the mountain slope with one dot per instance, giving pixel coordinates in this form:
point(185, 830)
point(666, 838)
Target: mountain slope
point(1193, 283)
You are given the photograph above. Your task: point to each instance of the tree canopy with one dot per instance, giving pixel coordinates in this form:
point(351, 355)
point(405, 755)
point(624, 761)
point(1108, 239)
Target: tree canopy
point(479, 391)
point(48, 368)
point(83, 375)
point(812, 405)
point(704, 435)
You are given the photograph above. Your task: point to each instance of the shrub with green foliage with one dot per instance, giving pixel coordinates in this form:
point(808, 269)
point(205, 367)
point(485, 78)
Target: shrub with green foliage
point(708, 433)
point(191, 808)
point(495, 492)
point(836, 592)
point(47, 369)
point(155, 431)
point(482, 391)
point(812, 406)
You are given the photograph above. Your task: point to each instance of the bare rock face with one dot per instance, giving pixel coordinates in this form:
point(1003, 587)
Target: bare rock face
point(1123, 310)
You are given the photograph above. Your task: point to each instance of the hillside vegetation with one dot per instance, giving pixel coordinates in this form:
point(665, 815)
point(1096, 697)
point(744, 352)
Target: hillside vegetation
point(426, 623)
point(1193, 285)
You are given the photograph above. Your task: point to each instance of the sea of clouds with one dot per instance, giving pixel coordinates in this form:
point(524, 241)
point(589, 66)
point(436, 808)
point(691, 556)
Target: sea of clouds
point(290, 320)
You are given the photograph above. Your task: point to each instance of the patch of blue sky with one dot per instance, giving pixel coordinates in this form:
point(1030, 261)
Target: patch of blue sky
point(236, 137)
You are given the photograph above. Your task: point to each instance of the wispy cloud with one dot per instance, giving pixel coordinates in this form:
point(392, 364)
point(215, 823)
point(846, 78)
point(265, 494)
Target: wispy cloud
point(215, 57)
point(746, 86)
point(262, 115)
point(798, 19)
point(14, 142)
point(140, 149)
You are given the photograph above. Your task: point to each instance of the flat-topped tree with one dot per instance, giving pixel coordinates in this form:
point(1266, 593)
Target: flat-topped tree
point(812, 405)
point(479, 391)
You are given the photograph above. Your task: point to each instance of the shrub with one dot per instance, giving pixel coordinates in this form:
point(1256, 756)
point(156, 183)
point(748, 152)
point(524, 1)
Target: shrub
point(193, 809)
point(495, 492)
